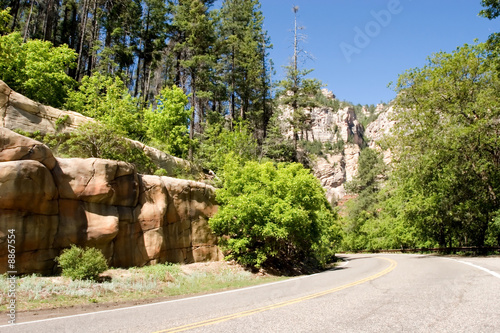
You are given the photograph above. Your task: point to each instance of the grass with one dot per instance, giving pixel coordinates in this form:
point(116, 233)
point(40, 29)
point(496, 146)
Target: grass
point(120, 285)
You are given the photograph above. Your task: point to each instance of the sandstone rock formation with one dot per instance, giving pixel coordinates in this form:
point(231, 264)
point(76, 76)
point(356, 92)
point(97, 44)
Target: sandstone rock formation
point(377, 129)
point(332, 127)
point(134, 219)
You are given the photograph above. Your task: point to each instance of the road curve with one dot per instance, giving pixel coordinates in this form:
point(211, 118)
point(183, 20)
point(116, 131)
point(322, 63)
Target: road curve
point(370, 293)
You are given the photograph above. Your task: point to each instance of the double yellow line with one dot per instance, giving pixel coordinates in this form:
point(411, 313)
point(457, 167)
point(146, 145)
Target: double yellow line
point(214, 321)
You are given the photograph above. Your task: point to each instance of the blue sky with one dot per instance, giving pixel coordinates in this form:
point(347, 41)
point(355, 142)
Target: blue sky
point(358, 68)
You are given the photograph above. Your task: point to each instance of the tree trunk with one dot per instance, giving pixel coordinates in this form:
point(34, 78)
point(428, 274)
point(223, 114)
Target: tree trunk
point(82, 38)
point(233, 85)
point(27, 26)
point(137, 75)
point(15, 5)
point(265, 112)
point(193, 112)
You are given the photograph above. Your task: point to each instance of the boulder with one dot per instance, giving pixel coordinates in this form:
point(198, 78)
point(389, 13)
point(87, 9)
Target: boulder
point(72, 224)
point(27, 186)
point(15, 147)
point(98, 181)
point(20, 112)
point(129, 248)
point(53, 203)
point(34, 236)
point(151, 211)
point(32, 231)
point(87, 224)
point(150, 217)
point(4, 98)
point(191, 204)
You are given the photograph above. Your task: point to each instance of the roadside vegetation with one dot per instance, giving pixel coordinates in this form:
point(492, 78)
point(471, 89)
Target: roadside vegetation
point(442, 187)
point(121, 285)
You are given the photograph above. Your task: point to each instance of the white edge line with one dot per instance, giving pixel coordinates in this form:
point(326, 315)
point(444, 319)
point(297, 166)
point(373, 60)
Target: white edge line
point(495, 274)
point(166, 302)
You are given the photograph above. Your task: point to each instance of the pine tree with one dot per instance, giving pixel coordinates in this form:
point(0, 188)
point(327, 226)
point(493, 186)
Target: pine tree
point(152, 37)
point(297, 92)
point(196, 27)
point(244, 44)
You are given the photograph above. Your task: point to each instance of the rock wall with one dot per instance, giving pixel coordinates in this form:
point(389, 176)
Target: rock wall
point(134, 219)
point(334, 168)
point(327, 125)
point(379, 128)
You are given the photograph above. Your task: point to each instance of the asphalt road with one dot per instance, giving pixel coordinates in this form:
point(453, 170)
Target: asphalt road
point(370, 293)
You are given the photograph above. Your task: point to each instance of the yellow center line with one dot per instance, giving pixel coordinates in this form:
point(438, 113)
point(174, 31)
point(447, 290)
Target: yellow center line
point(217, 320)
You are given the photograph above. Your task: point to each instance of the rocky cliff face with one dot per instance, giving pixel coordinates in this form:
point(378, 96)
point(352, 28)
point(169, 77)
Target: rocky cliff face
point(377, 129)
point(342, 130)
point(51, 203)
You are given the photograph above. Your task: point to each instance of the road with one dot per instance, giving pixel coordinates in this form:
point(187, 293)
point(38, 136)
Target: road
point(369, 293)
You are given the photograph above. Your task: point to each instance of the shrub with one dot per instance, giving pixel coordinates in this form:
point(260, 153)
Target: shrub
point(315, 147)
point(82, 264)
point(101, 140)
point(220, 141)
point(168, 124)
point(274, 215)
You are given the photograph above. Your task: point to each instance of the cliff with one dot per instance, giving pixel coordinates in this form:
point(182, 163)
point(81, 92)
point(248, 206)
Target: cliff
point(379, 128)
point(341, 130)
point(135, 220)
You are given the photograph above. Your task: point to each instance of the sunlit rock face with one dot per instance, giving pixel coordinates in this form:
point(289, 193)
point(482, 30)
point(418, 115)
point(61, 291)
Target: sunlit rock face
point(134, 219)
point(343, 137)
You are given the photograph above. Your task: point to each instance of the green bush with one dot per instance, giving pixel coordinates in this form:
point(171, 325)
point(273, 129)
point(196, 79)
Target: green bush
point(274, 216)
point(107, 100)
point(220, 141)
point(82, 264)
point(100, 140)
point(168, 123)
point(315, 147)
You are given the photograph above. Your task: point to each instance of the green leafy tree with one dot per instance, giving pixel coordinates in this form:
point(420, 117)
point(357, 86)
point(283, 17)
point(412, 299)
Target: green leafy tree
point(363, 209)
point(36, 69)
point(121, 24)
point(108, 100)
point(168, 123)
point(274, 215)
point(446, 147)
point(297, 93)
point(152, 35)
point(492, 11)
point(219, 142)
point(244, 45)
point(5, 18)
point(276, 146)
point(197, 27)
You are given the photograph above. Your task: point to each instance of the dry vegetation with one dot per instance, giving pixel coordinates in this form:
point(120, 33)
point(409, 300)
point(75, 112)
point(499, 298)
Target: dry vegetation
point(122, 285)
